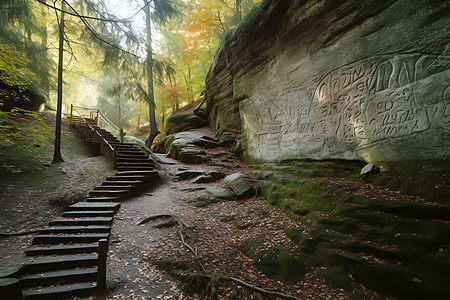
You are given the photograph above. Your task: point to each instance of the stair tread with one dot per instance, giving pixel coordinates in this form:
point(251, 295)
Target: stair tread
point(81, 220)
point(60, 258)
point(137, 172)
point(63, 248)
point(112, 186)
point(60, 273)
point(107, 192)
point(126, 177)
point(58, 290)
point(106, 199)
point(121, 182)
point(89, 228)
point(56, 235)
point(88, 213)
point(84, 219)
point(91, 205)
point(133, 163)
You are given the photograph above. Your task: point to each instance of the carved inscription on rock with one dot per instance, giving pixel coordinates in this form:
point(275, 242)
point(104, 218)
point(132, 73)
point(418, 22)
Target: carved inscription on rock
point(352, 108)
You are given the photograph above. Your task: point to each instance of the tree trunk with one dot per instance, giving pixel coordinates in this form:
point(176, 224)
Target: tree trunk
point(151, 97)
point(57, 154)
point(139, 117)
point(45, 81)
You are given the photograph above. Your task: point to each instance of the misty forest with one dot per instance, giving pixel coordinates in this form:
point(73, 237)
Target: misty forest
point(224, 149)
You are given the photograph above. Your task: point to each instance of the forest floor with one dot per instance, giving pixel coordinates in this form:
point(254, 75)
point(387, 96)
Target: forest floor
point(137, 253)
point(33, 190)
point(218, 230)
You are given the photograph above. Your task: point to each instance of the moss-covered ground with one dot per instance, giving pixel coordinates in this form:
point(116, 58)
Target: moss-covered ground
point(394, 243)
point(26, 153)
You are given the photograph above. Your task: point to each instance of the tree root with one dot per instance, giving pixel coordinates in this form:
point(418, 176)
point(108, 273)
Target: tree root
point(27, 232)
point(258, 289)
point(167, 223)
point(183, 225)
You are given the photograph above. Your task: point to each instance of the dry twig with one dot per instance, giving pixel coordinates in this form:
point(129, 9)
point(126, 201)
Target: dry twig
point(237, 281)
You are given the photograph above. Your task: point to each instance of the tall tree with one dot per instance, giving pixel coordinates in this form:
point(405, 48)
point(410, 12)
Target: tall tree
point(163, 10)
point(57, 151)
point(149, 64)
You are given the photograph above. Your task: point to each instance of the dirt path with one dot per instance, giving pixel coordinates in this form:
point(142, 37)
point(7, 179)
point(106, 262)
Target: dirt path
point(218, 229)
point(129, 261)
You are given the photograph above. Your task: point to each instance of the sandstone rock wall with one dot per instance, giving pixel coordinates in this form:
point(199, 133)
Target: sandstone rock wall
point(337, 79)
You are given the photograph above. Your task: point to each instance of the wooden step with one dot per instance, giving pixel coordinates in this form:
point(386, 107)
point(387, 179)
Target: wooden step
point(62, 249)
point(113, 187)
point(81, 221)
point(95, 206)
point(69, 238)
point(126, 178)
point(52, 263)
point(126, 144)
point(131, 156)
point(76, 229)
point(59, 277)
point(107, 193)
point(132, 168)
point(110, 138)
point(128, 150)
point(121, 182)
point(89, 213)
point(61, 291)
point(138, 166)
point(101, 199)
point(146, 173)
point(134, 160)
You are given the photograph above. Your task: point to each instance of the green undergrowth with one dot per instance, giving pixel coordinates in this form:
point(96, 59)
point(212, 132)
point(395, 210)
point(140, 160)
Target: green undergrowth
point(310, 169)
point(202, 200)
point(26, 156)
point(279, 262)
point(190, 280)
point(396, 247)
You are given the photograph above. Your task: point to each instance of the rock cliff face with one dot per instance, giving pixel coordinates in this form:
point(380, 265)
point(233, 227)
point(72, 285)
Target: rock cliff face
point(366, 80)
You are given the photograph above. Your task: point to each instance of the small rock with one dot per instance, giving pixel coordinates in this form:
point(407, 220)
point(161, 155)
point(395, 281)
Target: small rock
point(240, 186)
point(216, 174)
point(188, 174)
point(203, 179)
point(220, 193)
point(369, 169)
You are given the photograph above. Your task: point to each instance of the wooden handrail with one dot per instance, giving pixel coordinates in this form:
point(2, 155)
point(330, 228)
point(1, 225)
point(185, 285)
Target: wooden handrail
point(94, 130)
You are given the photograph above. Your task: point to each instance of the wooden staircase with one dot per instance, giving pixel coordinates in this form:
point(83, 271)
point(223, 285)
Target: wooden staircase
point(64, 258)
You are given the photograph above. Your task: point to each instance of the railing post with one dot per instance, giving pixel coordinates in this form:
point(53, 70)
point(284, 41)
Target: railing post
point(10, 289)
point(121, 135)
point(71, 113)
point(98, 119)
point(101, 271)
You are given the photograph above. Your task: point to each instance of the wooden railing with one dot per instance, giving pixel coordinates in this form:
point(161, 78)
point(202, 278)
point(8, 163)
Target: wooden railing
point(94, 115)
point(101, 119)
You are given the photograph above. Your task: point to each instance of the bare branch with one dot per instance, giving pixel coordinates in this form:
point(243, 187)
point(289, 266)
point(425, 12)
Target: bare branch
point(77, 15)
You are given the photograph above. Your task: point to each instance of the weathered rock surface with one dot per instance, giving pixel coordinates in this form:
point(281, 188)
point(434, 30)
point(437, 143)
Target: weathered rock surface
point(240, 185)
point(183, 122)
point(184, 146)
point(203, 179)
point(188, 174)
point(220, 193)
point(337, 79)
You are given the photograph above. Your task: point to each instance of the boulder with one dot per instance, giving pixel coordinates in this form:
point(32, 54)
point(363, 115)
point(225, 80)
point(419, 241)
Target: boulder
point(184, 122)
point(209, 175)
point(240, 185)
point(188, 174)
point(220, 193)
point(203, 179)
point(336, 80)
point(184, 146)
